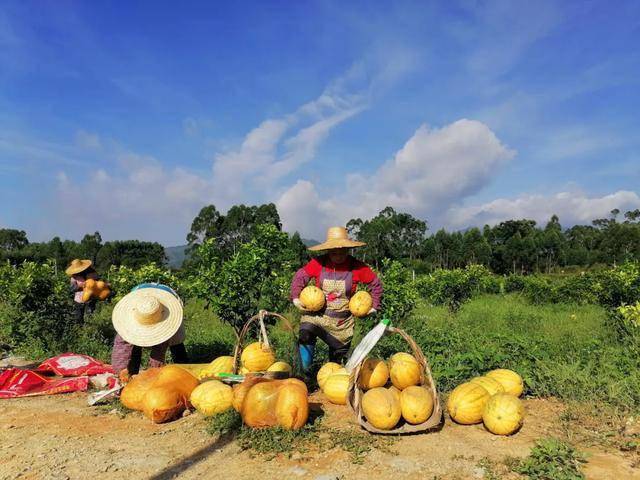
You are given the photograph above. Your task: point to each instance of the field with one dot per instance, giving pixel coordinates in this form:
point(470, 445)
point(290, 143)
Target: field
point(583, 391)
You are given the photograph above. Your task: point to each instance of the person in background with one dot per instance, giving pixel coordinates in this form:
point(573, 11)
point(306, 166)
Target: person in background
point(150, 316)
point(79, 272)
point(337, 274)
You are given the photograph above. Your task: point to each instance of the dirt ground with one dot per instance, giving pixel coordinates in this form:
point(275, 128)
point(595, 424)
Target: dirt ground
point(60, 437)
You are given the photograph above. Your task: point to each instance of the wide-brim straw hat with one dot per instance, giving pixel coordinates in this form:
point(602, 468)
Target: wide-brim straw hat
point(147, 316)
point(77, 266)
point(337, 237)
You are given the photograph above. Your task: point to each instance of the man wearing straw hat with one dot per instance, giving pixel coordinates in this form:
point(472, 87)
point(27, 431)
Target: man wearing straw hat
point(337, 274)
point(80, 271)
point(149, 316)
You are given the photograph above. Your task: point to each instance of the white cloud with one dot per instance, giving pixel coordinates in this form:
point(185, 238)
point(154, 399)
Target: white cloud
point(571, 207)
point(434, 169)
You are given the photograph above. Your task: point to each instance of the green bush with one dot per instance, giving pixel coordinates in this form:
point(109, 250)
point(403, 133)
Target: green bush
point(553, 459)
point(400, 296)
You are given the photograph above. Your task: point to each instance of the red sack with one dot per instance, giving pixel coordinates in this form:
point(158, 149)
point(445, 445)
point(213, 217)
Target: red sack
point(73, 365)
point(27, 383)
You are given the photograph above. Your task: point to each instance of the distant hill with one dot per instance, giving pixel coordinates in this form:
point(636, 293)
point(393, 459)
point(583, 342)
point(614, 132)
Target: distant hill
point(308, 242)
point(176, 255)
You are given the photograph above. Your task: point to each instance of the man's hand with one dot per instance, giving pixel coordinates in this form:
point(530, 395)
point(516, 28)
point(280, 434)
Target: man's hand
point(124, 376)
point(299, 305)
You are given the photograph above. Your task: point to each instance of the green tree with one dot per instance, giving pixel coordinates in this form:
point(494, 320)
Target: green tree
point(11, 239)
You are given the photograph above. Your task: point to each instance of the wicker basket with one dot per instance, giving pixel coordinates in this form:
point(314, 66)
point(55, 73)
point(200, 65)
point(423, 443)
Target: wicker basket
point(426, 379)
point(262, 336)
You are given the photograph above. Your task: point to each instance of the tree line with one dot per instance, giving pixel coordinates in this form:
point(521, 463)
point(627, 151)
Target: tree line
point(512, 246)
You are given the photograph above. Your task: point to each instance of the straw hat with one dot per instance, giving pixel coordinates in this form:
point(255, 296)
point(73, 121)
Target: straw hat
point(77, 266)
point(337, 237)
point(147, 316)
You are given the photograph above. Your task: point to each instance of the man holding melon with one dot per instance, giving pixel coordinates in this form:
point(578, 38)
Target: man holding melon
point(84, 285)
point(330, 306)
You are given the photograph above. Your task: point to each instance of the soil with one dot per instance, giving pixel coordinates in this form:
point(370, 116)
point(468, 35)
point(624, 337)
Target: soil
point(60, 437)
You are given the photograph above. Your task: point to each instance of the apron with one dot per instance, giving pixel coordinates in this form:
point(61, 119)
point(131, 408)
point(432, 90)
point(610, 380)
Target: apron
point(336, 318)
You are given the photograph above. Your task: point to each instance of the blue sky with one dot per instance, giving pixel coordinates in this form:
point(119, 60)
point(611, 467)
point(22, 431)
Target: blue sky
point(128, 118)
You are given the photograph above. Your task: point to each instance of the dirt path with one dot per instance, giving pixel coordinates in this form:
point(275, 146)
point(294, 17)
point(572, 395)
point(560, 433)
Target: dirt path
point(59, 437)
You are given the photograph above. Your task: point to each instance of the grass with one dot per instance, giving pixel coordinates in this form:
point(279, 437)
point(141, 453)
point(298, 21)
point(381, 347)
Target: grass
point(271, 442)
point(553, 459)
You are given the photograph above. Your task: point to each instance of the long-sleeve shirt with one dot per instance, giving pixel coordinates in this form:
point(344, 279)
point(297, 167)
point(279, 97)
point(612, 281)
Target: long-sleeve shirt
point(122, 351)
point(361, 273)
point(77, 281)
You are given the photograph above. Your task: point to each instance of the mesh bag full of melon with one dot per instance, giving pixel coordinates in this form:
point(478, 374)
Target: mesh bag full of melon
point(270, 403)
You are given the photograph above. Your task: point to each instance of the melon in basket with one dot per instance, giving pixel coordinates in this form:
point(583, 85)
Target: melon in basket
point(280, 367)
point(257, 357)
point(292, 406)
point(312, 298)
point(381, 408)
point(510, 380)
point(404, 370)
point(503, 414)
point(373, 373)
point(466, 403)
point(222, 364)
point(416, 404)
point(360, 304)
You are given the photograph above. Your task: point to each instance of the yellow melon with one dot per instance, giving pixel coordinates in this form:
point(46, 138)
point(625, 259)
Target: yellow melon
point(312, 298)
point(292, 406)
point(360, 304)
point(239, 393)
point(212, 397)
point(503, 414)
point(336, 387)
point(222, 364)
point(280, 367)
point(510, 380)
point(173, 376)
point(491, 385)
point(416, 404)
point(326, 370)
point(133, 392)
point(466, 403)
point(404, 370)
point(395, 392)
point(381, 408)
point(162, 404)
point(257, 357)
point(258, 408)
point(374, 373)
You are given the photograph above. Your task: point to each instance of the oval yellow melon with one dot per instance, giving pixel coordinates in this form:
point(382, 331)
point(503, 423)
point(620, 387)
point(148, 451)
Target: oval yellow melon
point(172, 376)
point(466, 403)
point(360, 304)
point(510, 380)
point(256, 357)
point(295, 381)
point(259, 404)
point(404, 370)
point(243, 370)
point(292, 406)
point(381, 408)
point(336, 387)
point(416, 404)
point(312, 298)
point(280, 367)
point(503, 414)
point(326, 370)
point(162, 404)
point(491, 385)
point(212, 397)
point(395, 392)
point(374, 373)
point(222, 364)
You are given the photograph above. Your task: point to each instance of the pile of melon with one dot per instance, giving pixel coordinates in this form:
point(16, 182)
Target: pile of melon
point(386, 405)
point(491, 399)
point(162, 394)
point(256, 357)
point(333, 380)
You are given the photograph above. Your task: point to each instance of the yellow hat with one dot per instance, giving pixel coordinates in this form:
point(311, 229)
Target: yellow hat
point(77, 266)
point(337, 237)
point(147, 316)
